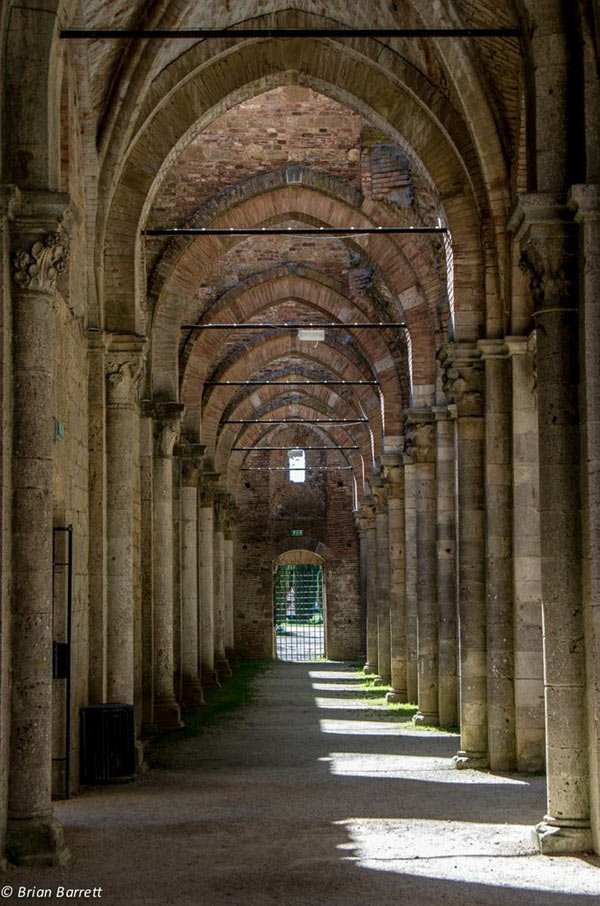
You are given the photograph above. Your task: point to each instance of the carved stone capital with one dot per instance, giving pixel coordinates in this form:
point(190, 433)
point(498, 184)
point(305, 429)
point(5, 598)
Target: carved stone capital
point(419, 434)
point(208, 487)
point(192, 458)
point(392, 469)
point(462, 377)
point(493, 349)
point(546, 232)
point(36, 270)
point(221, 505)
point(40, 237)
point(166, 427)
point(379, 490)
point(124, 369)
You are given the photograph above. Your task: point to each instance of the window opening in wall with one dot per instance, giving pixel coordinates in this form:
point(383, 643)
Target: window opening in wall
point(298, 611)
point(297, 466)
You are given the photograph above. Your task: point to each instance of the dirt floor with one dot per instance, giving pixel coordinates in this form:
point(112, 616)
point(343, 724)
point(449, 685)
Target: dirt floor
point(310, 796)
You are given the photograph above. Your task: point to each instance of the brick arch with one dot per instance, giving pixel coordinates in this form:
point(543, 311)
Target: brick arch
point(231, 435)
point(248, 302)
point(291, 202)
point(443, 147)
point(262, 433)
point(327, 401)
point(304, 550)
point(336, 363)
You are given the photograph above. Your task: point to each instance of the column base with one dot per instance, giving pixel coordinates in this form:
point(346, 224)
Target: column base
point(36, 841)
point(427, 719)
point(369, 669)
point(193, 693)
point(377, 680)
point(210, 679)
point(167, 717)
point(232, 657)
point(141, 765)
point(474, 760)
point(552, 839)
point(396, 695)
point(222, 667)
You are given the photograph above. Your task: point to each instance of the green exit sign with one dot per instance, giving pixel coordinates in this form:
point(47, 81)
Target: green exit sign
point(296, 531)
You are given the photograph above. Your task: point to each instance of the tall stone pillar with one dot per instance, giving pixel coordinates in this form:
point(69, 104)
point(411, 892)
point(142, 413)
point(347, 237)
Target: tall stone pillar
point(463, 384)
point(222, 665)
point(384, 657)
point(206, 498)
point(446, 565)
point(547, 236)
point(167, 417)
point(41, 247)
point(499, 566)
point(97, 491)
point(124, 364)
point(393, 468)
point(527, 578)
point(371, 667)
point(587, 199)
point(191, 463)
point(410, 557)
point(363, 566)
point(420, 434)
point(230, 654)
point(147, 568)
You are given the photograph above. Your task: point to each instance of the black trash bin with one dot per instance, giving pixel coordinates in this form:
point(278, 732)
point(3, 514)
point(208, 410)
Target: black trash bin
point(107, 743)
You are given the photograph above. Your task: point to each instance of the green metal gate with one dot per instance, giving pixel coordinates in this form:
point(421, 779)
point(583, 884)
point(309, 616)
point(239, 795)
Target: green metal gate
point(298, 612)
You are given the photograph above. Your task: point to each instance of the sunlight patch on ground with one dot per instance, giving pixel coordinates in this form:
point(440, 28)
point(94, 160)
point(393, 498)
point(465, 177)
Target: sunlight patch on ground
point(357, 688)
point(350, 704)
point(361, 727)
point(501, 855)
point(334, 675)
point(409, 767)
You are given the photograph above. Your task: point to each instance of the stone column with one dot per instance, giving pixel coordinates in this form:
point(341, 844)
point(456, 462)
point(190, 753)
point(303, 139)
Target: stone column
point(499, 566)
point(146, 572)
point(206, 499)
point(527, 578)
point(191, 464)
point(587, 199)
point(363, 566)
point(463, 384)
point(97, 344)
point(230, 654)
point(124, 362)
point(547, 237)
point(167, 417)
point(410, 554)
point(371, 667)
point(420, 434)
point(384, 658)
point(394, 476)
point(445, 466)
point(41, 247)
point(221, 503)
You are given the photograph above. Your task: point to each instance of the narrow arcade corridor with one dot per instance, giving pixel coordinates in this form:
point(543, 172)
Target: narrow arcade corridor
point(313, 795)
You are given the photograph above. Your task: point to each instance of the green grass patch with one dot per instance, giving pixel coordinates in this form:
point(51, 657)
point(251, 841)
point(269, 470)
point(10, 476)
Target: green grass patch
point(235, 692)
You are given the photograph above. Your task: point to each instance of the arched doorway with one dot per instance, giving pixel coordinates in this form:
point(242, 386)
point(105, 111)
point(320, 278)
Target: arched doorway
point(299, 606)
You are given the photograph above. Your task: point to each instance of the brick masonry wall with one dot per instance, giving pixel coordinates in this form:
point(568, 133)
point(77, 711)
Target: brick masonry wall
point(269, 507)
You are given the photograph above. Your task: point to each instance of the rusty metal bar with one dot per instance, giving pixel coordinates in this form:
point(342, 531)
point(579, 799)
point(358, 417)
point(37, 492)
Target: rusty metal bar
point(113, 34)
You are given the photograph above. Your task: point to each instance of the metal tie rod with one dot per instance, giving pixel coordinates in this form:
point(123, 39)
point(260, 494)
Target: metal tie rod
point(289, 383)
point(115, 34)
point(253, 449)
point(296, 469)
point(294, 421)
point(291, 231)
point(292, 325)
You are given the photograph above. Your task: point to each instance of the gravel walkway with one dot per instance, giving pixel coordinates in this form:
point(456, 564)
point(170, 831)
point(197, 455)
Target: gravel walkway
point(313, 796)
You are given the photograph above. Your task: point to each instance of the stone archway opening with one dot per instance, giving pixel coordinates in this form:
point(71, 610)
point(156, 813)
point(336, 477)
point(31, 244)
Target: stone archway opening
point(299, 601)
